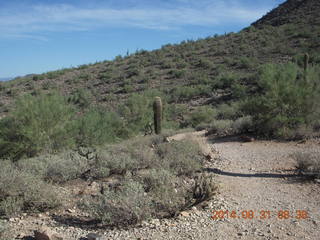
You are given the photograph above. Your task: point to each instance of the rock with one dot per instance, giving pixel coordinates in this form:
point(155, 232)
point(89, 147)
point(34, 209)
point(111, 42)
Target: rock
point(45, 233)
point(94, 236)
point(184, 214)
point(70, 210)
point(155, 222)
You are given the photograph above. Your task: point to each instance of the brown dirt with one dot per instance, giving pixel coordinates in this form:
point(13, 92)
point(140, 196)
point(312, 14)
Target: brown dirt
point(260, 176)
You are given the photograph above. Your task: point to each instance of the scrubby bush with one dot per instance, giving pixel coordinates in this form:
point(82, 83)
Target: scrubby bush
point(137, 111)
point(37, 124)
point(98, 126)
point(181, 157)
point(56, 168)
point(126, 206)
point(242, 125)
point(21, 191)
point(229, 111)
point(80, 98)
point(286, 99)
point(308, 163)
point(203, 114)
point(150, 183)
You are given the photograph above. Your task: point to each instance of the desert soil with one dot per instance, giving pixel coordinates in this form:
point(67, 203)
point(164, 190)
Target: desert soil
point(257, 176)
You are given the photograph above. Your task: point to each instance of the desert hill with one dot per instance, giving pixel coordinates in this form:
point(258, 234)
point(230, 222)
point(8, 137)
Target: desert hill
point(192, 72)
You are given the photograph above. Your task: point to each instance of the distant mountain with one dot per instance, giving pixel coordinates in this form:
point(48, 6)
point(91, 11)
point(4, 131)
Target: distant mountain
point(5, 79)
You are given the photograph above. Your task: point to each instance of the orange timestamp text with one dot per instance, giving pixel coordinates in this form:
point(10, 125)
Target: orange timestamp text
point(262, 214)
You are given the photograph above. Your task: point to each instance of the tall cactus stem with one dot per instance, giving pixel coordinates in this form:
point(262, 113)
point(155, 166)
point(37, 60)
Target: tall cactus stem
point(306, 61)
point(157, 110)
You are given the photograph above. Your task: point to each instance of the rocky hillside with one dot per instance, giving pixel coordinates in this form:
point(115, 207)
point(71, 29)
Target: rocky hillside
point(211, 70)
point(293, 11)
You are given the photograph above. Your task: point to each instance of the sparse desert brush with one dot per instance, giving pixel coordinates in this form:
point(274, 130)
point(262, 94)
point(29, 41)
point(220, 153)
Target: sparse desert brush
point(58, 168)
point(125, 206)
point(202, 115)
point(205, 188)
point(151, 177)
point(4, 231)
point(242, 125)
point(21, 191)
point(308, 163)
point(221, 127)
point(181, 157)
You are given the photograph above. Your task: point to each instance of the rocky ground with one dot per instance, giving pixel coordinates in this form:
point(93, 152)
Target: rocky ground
point(257, 176)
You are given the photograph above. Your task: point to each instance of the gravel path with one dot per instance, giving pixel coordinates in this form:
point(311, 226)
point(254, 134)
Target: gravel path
point(255, 176)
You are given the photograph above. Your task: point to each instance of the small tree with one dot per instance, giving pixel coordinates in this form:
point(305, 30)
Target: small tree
point(284, 101)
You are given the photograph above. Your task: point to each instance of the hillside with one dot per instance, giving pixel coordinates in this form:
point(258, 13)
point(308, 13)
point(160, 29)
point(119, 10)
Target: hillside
point(191, 72)
point(293, 11)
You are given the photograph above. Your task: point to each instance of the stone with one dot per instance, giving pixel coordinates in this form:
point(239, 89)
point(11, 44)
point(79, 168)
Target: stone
point(45, 233)
point(184, 214)
point(94, 236)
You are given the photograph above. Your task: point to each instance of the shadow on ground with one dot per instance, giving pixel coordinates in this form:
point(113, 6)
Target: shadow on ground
point(77, 222)
point(292, 177)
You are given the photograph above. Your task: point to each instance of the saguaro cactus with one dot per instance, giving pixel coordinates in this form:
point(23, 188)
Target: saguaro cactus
point(157, 110)
point(306, 61)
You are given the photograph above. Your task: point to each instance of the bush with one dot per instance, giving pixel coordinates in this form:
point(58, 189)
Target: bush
point(21, 191)
point(183, 157)
point(308, 163)
point(137, 111)
point(286, 99)
point(203, 114)
point(127, 156)
point(228, 111)
point(37, 124)
point(242, 125)
point(80, 98)
point(97, 126)
point(126, 206)
point(150, 177)
point(56, 168)
point(221, 127)
point(4, 231)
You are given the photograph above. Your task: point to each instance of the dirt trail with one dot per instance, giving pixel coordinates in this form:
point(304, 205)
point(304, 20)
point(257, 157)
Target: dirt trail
point(259, 176)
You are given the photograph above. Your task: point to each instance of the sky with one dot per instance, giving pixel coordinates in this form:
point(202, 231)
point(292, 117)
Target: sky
point(37, 36)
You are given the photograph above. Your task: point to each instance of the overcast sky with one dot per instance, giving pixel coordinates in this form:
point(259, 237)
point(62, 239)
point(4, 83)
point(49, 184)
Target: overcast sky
point(38, 36)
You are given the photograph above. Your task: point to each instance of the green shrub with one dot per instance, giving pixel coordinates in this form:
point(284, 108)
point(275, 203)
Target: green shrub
point(242, 125)
point(137, 110)
point(80, 98)
point(221, 127)
point(225, 80)
point(228, 111)
point(37, 124)
point(285, 101)
point(203, 114)
point(98, 126)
